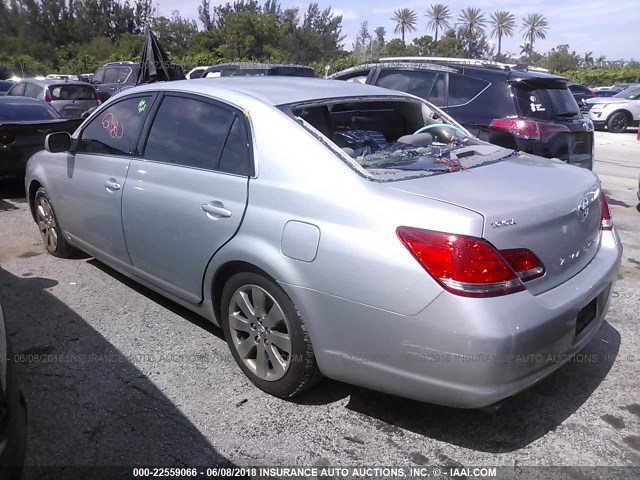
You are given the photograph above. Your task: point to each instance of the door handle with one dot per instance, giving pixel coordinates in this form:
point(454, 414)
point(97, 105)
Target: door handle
point(111, 184)
point(215, 209)
point(112, 88)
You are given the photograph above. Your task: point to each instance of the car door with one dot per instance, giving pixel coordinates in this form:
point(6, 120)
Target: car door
point(186, 197)
point(90, 195)
point(108, 85)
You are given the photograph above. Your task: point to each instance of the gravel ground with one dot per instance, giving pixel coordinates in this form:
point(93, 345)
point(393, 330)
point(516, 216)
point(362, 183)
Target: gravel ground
point(114, 374)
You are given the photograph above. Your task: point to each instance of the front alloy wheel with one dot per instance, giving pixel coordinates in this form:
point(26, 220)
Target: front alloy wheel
point(47, 224)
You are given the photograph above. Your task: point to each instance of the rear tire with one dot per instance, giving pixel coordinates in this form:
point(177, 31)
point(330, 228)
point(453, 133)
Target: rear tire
point(618, 122)
point(50, 230)
point(267, 336)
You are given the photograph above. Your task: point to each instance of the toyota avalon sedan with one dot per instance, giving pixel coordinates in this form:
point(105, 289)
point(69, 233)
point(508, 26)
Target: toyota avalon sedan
point(337, 229)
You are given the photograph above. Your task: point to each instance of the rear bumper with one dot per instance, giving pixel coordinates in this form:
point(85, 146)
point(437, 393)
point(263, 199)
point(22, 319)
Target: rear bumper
point(13, 428)
point(460, 352)
point(561, 148)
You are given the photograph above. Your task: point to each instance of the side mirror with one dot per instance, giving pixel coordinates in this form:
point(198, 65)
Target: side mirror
point(57, 142)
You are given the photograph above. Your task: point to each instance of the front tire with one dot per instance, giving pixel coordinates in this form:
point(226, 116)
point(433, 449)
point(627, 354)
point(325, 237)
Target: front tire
point(618, 122)
point(267, 336)
point(52, 234)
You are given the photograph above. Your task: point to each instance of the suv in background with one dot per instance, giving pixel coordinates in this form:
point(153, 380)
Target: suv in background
point(580, 93)
point(110, 78)
point(617, 112)
point(511, 106)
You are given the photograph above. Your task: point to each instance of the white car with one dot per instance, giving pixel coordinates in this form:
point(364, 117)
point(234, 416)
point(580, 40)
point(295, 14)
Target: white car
point(617, 112)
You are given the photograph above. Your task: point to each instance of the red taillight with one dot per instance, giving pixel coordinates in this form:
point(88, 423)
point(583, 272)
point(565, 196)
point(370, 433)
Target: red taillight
point(606, 221)
point(527, 129)
point(6, 138)
point(524, 262)
point(47, 98)
point(470, 266)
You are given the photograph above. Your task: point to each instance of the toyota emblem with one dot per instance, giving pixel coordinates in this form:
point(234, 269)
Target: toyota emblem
point(583, 209)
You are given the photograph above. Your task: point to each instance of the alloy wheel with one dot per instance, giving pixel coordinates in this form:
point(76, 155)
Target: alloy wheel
point(260, 332)
point(47, 224)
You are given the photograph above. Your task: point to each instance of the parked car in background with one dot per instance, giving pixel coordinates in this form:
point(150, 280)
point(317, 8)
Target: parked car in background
point(580, 92)
point(236, 69)
point(13, 412)
point(70, 98)
point(24, 124)
point(514, 107)
point(617, 113)
point(340, 229)
point(197, 72)
point(110, 78)
point(61, 76)
point(5, 85)
point(605, 92)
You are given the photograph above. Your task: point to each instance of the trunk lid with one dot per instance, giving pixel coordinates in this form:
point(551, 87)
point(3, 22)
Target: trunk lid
point(527, 202)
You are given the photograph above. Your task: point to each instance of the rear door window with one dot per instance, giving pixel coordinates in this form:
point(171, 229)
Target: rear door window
point(463, 88)
point(72, 92)
point(116, 130)
point(546, 103)
point(415, 82)
point(189, 132)
point(123, 74)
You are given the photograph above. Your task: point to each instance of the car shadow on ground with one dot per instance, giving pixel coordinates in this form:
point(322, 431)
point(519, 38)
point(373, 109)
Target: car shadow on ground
point(519, 421)
point(88, 405)
point(12, 188)
point(170, 305)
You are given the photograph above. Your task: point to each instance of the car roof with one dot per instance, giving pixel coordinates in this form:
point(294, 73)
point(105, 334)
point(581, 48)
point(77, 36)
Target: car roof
point(21, 101)
point(50, 81)
point(269, 90)
point(442, 63)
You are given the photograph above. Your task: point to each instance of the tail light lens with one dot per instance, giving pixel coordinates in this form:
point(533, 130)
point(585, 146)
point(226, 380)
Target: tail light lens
point(47, 98)
point(606, 221)
point(527, 129)
point(470, 266)
point(6, 138)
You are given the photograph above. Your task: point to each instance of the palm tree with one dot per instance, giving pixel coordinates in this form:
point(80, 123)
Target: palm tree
point(534, 26)
point(406, 20)
point(471, 23)
point(588, 59)
point(438, 15)
point(504, 24)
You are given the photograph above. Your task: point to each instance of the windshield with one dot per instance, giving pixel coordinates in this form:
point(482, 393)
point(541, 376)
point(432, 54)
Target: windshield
point(630, 93)
point(394, 139)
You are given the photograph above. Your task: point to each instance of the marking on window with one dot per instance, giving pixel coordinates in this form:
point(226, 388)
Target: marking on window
point(535, 107)
point(113, 127)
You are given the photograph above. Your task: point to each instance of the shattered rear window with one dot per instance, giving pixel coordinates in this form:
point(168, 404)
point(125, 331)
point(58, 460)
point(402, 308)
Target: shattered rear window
point(395, 139)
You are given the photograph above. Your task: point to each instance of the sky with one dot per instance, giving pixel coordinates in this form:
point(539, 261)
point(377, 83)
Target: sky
point(605, 28)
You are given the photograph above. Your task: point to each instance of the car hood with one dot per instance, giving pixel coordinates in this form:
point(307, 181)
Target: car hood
point(527, 202)
point(606, 100)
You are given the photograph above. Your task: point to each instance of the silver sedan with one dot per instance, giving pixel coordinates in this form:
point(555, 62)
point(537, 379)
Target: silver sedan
point(337, 229)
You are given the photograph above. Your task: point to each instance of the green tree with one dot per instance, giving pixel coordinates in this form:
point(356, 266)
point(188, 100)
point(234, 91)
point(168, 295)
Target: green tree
point(560, 60)
point(176, 34)
point(471, 25)
point(405, 20)
point(503, 24)
point(397, 48)
point(425, 46)
point(534, 27)
point(450, 45)
point(438, 15)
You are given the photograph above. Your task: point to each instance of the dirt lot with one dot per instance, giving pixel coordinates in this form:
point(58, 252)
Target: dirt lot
point(116, 375)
